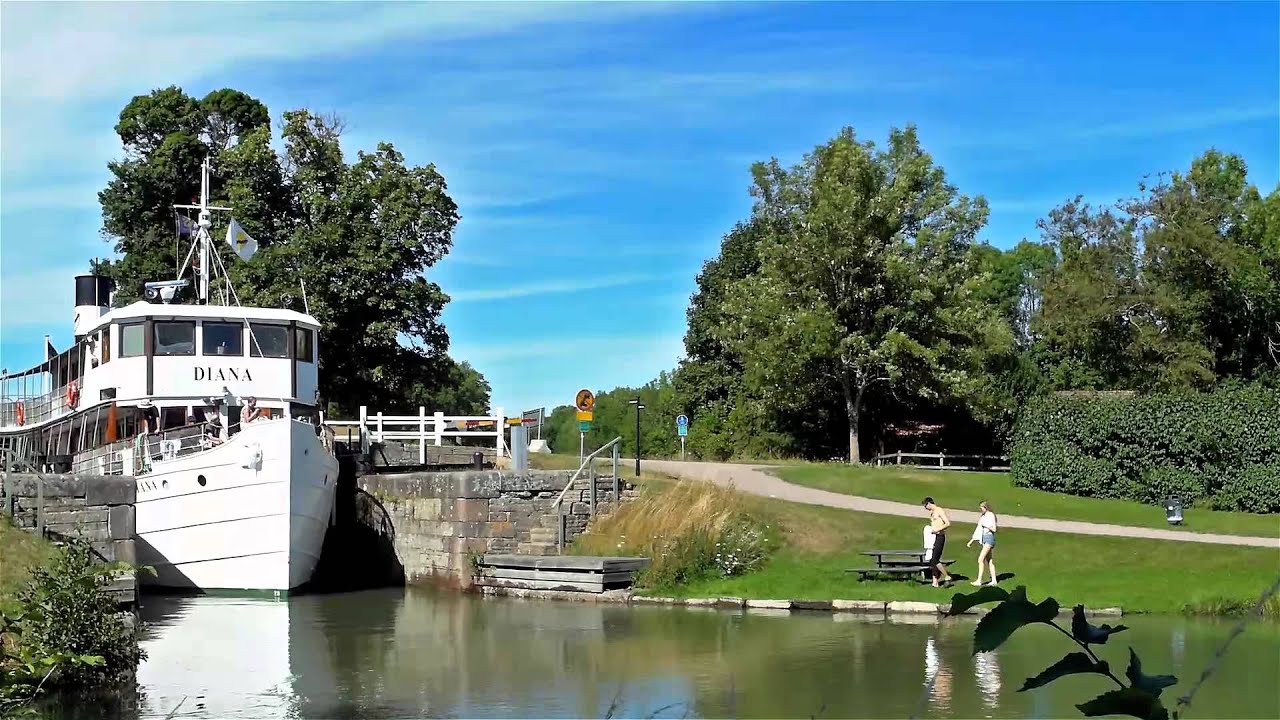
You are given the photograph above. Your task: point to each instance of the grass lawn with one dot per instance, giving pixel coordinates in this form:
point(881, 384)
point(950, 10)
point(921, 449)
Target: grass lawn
point(818, 544)
point(19, 552)
point(964, 490)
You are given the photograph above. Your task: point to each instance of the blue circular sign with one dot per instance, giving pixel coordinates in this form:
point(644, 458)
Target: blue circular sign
point(682, 420)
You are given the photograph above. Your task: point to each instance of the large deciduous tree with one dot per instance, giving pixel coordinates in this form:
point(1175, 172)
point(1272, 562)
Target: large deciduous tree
point(359, 235)
point(1178, 288)
point(868, 281)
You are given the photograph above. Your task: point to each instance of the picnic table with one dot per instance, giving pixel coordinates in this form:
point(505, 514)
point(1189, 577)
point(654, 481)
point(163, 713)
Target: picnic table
point(896, 562)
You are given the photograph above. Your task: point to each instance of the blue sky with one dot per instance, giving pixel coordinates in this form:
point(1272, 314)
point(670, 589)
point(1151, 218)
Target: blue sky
point(598, 152)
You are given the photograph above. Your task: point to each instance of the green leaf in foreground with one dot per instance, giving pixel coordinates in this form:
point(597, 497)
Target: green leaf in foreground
point(997, 625)
point(1072, 664)
point(1129, 701)
point(961, 603)
point(1153, 684)
point(1082, 631)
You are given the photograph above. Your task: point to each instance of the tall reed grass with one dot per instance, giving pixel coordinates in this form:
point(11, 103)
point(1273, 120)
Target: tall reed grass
point(690, 531)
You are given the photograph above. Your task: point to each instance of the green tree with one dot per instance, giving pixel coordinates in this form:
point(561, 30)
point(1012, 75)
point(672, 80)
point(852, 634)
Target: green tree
point(868, 279)
point(1178, 288)
point(359, 236)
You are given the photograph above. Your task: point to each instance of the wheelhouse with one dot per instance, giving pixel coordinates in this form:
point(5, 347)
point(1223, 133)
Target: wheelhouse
point(186, 363)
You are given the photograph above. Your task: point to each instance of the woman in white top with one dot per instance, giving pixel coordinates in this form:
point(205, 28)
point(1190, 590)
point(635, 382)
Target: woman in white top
point(985, 533)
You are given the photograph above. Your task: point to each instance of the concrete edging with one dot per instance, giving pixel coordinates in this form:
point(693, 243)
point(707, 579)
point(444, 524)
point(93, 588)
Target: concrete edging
point(881, 607)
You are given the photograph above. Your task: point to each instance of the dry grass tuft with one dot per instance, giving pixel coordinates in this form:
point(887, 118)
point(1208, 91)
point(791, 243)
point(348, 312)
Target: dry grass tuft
point(668, 512)
point(689, 530)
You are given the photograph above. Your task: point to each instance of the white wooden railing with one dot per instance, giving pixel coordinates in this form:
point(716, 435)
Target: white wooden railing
point(424, 428)
point(945, 461)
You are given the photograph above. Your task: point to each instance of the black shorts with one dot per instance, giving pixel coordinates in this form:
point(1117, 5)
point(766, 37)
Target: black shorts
point(939, 542)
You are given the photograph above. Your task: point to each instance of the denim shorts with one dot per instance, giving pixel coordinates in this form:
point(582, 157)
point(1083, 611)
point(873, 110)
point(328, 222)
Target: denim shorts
point(988, 538)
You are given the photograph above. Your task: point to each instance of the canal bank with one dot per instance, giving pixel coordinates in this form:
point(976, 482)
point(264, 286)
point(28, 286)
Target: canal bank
point(98, 510)
point(815, 546)
point(421, 528)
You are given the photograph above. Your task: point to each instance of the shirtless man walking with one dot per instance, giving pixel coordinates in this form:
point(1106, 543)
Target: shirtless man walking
point(940, 522)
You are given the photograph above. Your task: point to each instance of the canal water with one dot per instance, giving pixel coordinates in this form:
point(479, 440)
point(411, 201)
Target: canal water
point(415, 653)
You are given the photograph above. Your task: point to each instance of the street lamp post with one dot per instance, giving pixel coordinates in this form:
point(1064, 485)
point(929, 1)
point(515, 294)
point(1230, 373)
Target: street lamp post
point(639, 406)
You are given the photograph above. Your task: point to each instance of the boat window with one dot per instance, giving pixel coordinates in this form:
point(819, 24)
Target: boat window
point(304, 350)
point(175, 338)
point(223, 338)
point(105, 344)
point(131, 340)
point(271, 341)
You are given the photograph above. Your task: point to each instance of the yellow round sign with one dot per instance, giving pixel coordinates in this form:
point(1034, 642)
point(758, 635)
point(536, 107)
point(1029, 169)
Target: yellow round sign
point(585, 400)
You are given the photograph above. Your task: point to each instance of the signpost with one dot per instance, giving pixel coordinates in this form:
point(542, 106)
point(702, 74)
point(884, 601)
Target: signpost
point(585, 401)
point(682, 428)
point(534, 417)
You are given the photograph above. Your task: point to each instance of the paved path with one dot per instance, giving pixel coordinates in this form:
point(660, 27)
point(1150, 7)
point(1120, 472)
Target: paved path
point(752, 479)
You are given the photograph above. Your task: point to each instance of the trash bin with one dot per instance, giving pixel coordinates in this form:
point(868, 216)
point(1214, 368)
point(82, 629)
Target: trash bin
point(477, 460)
point(1173, 510)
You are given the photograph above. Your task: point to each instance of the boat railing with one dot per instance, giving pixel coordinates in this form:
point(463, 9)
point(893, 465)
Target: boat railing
point(177, 442)
point(36, 408)
point(113, 458)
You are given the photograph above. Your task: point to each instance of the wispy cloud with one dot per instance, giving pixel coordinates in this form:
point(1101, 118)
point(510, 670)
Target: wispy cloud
point(60, 60)
point(555, 287)
point(65, 51)
point(1153, 123)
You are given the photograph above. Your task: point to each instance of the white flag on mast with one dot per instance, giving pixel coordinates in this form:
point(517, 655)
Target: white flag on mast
point(240, 241)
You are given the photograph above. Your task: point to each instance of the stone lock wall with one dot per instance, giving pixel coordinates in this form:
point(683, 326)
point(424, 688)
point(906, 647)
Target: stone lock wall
point(98, 509)
point(444, 520)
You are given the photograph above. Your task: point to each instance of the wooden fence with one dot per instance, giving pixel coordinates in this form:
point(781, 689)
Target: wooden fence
point(939, 461)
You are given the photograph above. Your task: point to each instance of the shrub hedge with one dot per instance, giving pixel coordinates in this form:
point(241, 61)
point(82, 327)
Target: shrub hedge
point(1220, 449)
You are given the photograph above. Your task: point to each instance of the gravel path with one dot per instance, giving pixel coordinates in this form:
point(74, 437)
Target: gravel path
point(752, 479)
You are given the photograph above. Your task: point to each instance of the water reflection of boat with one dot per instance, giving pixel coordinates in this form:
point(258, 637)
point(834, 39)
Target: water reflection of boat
point(212, 657)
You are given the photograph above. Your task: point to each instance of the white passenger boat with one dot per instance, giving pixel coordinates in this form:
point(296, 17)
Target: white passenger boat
point(158, 390)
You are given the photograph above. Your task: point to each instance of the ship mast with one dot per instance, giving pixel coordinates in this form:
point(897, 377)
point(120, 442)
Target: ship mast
point(203, 241)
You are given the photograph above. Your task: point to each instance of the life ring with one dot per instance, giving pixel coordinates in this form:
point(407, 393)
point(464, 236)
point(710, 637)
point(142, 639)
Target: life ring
point(73, 393)
point(22, 413)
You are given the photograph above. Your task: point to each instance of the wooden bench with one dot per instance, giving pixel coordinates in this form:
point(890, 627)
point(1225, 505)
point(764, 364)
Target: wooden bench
point(895, 569)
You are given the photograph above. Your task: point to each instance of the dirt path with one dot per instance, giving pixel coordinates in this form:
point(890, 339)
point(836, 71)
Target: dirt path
point(751, 479)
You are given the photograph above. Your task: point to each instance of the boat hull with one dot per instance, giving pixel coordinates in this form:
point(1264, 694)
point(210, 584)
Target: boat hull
point(248, 515)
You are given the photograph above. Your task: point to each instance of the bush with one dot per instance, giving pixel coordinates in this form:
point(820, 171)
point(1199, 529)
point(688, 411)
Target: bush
point(1252, 489)
point(63, 630)
point(689, 531)
point(1222, 446)
point(1186, 485)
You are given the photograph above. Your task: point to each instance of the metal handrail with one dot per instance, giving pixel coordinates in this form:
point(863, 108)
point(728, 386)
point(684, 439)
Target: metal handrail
point(586, 461)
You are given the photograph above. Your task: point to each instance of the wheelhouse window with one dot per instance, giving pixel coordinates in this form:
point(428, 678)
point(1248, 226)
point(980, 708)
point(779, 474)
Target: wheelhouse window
point(105, 341)
point(223, 338)
point(132, 340)
point(173, 417)
point(268, 341)
point(304, 349)
point(175, 338)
